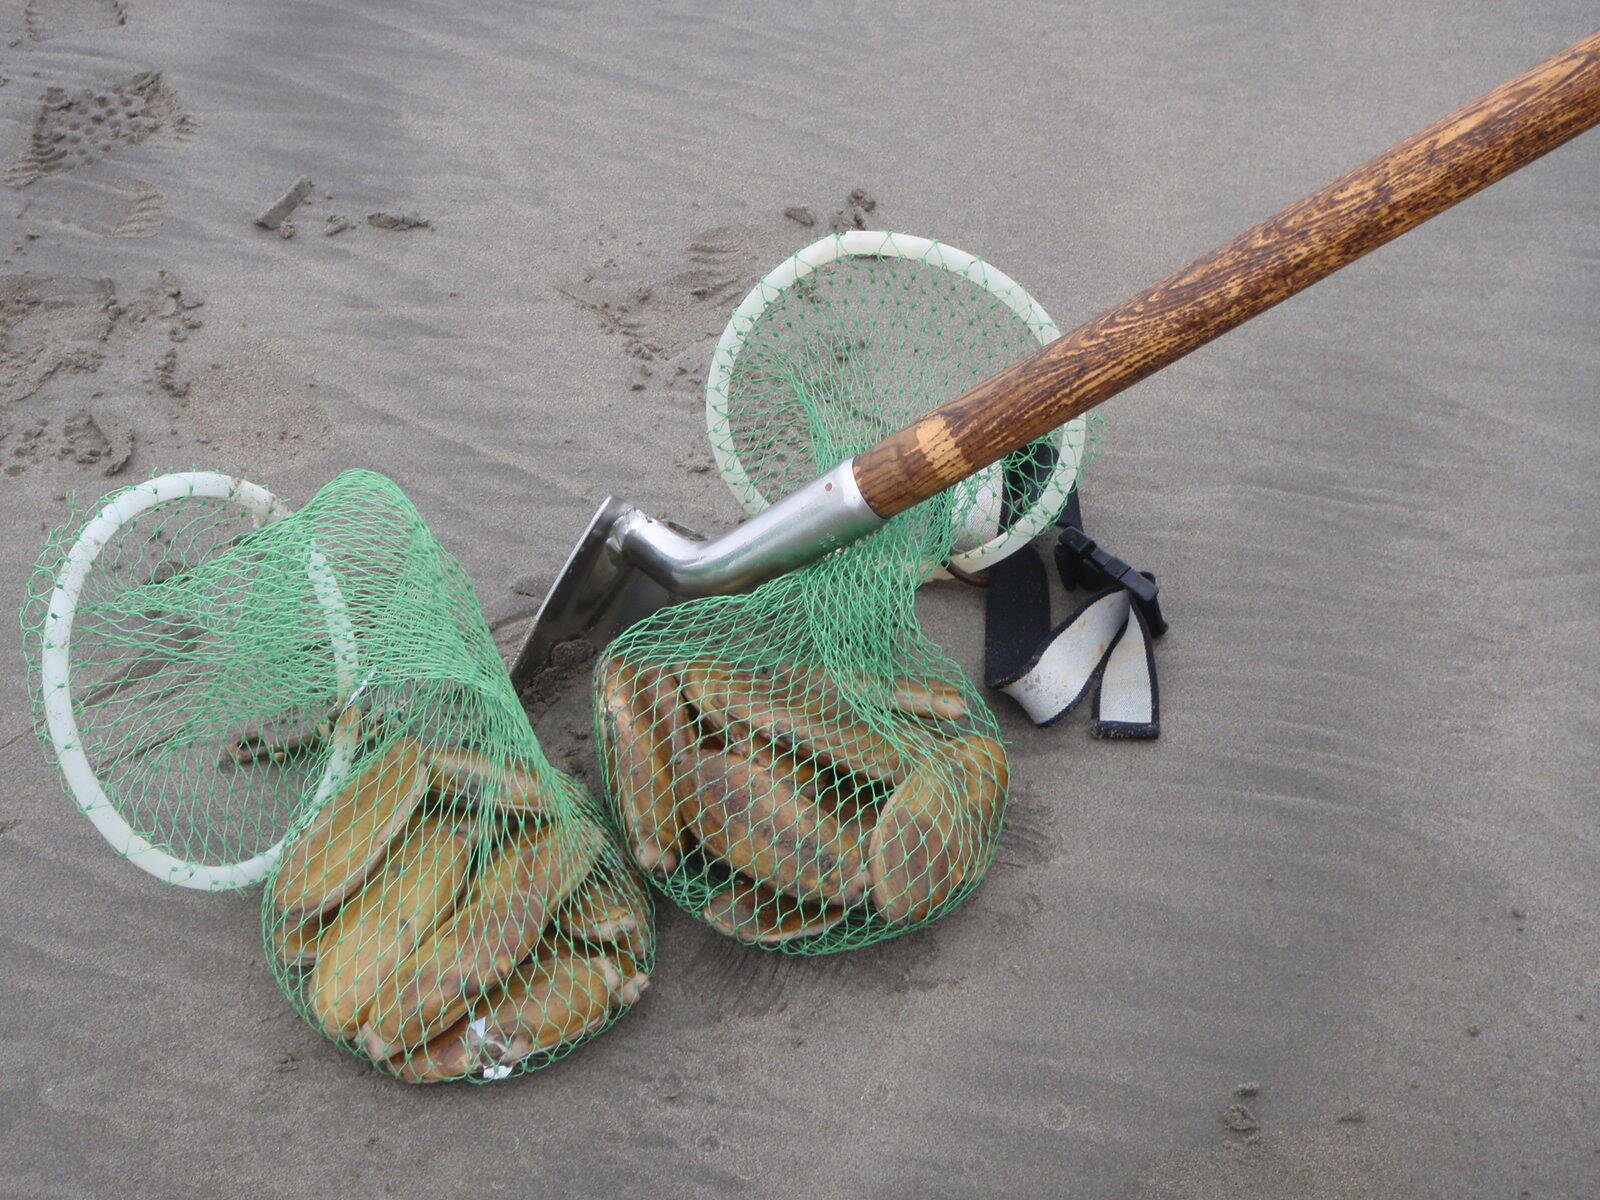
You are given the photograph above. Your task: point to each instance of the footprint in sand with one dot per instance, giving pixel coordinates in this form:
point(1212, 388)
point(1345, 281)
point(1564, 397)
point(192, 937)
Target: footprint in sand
point(669, 308)
point(667, 312)
point(90, 370)
point(113, 207)
point(49, 324)
point(74, 129)
point(97, 438)
point(48, 19)
point(89, 437)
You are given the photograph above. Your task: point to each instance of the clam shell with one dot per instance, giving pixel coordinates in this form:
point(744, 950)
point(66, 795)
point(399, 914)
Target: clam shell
point(556, 997)
point(786, 706)
point(400, 905)
point(470, 773)
point(640, 711)
point(294, 943)
point(914, 695)
point(759, 916)
point(936, 830)
point(634, 978)
point(756, 808)
point(495, 925)
point(332, 856)
point(609, 906)
point(925, 696)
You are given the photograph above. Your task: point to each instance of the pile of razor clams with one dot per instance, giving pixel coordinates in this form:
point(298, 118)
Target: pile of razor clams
point(807, 813)
point(448, 917)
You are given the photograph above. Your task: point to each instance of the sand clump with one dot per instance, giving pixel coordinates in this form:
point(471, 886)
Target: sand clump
point(398, 221)
point(276, 215)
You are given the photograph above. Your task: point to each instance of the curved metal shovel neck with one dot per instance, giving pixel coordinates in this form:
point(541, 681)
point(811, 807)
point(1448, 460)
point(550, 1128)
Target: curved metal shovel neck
point(627, 565)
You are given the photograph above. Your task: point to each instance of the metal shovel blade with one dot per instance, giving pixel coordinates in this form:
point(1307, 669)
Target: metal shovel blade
point(596, 596)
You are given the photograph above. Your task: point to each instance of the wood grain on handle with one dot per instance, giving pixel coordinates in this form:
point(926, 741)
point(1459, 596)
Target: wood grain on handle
point(1474, 146)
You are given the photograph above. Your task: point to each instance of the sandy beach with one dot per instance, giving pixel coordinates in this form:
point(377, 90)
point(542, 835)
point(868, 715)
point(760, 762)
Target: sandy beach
point(1355, 878)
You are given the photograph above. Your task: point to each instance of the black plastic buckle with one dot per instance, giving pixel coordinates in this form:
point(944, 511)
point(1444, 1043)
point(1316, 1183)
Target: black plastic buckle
point(1085, 563)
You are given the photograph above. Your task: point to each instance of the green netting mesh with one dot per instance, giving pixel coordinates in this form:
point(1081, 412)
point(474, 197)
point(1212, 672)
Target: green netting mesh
point(800, 765)
point(235, 694)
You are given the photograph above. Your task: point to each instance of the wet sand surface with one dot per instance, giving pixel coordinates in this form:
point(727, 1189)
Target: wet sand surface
point(1357, 872)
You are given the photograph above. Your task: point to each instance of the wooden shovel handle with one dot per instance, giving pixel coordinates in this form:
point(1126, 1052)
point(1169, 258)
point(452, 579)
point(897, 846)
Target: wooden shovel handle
point(1465, 152)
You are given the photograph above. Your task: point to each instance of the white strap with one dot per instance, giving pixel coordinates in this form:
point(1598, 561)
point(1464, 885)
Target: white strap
point(1106, 638)
point(1067, 661)
point(1125, 686)
point(1128, 705)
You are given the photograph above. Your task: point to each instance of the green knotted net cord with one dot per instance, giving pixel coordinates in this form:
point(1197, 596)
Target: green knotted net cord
point(801, 766)
point(322, 694)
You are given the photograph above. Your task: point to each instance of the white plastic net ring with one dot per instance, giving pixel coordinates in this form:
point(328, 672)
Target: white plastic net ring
point(56, 672)
point(981, 541)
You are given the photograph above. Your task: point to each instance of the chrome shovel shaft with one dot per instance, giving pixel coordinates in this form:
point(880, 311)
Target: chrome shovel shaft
point(825, 514)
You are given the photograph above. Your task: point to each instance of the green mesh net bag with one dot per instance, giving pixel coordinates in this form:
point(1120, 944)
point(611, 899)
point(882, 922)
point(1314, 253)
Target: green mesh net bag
point(800, 765)
point(313, 701)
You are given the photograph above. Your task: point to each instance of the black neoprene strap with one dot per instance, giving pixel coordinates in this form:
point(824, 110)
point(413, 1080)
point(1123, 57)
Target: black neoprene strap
point(1106, 646)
